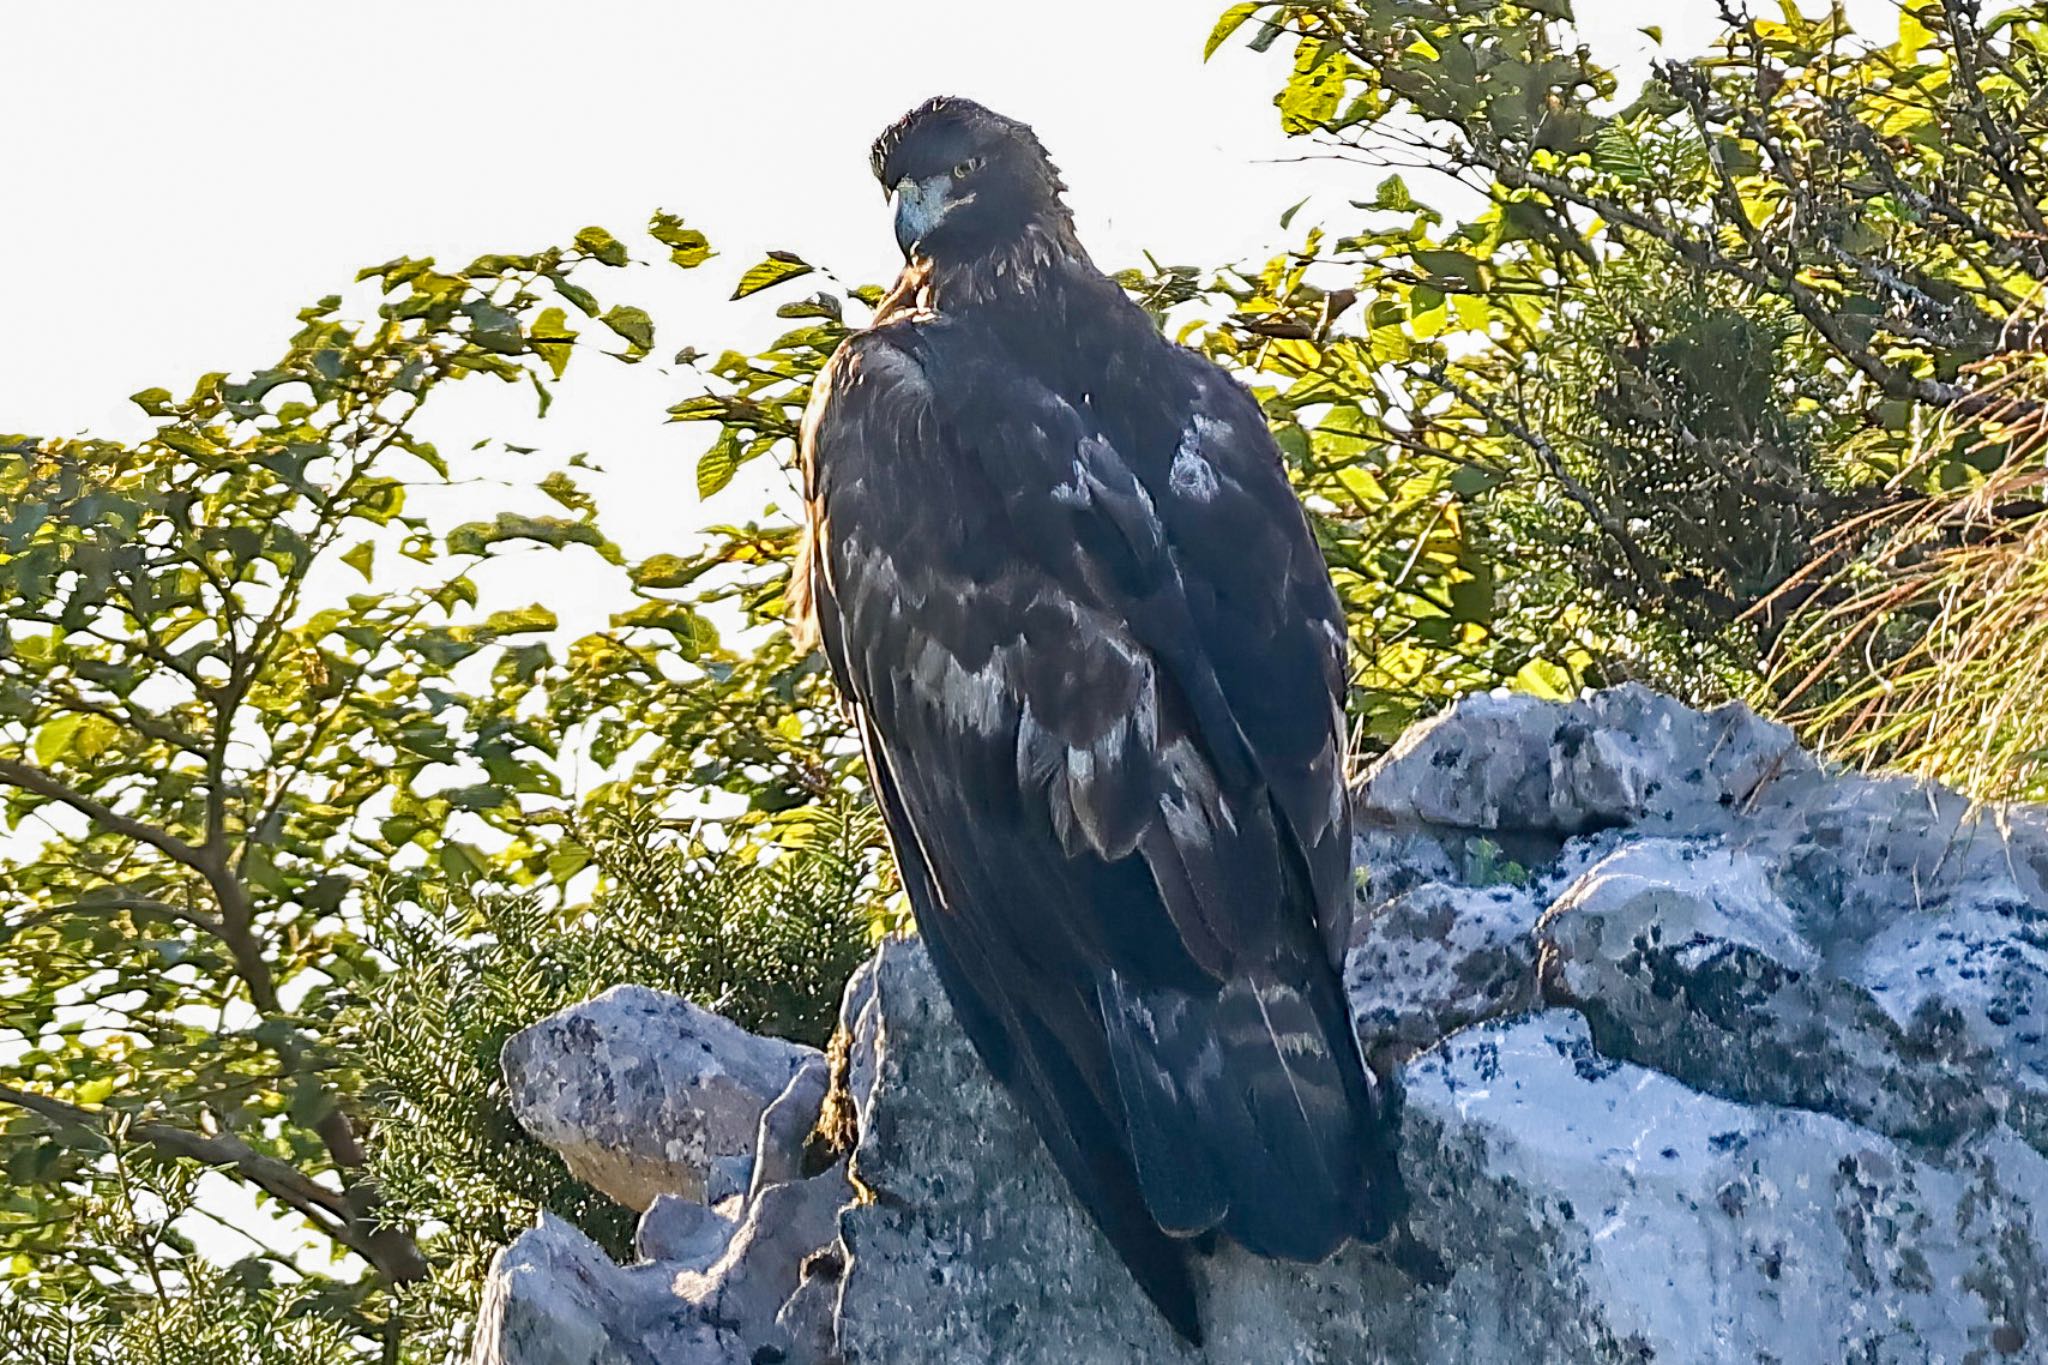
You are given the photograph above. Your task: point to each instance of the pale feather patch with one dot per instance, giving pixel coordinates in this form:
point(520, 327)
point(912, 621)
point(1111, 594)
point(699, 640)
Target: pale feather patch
point(1290, 1042)
point(871, 582)
point(1038, 753)
point(1075, 492)
point(1191, 475)
point(1189, 799)
point(1069, 768)
point(969, 698)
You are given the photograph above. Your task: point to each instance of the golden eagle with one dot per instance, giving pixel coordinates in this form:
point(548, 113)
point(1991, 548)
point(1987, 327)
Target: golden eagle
point(1098, 670)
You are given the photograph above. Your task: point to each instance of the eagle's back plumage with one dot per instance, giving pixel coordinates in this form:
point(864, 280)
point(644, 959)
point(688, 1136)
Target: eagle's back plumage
point(1098, 666)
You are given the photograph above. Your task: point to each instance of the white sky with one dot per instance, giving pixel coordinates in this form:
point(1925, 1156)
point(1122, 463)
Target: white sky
point(169, 193)
point(177, 180)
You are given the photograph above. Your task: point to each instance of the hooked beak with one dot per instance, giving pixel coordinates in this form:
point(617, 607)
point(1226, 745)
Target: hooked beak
point(921, 205)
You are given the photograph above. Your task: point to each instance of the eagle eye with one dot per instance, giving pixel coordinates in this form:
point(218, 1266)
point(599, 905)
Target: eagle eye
point(967, 168)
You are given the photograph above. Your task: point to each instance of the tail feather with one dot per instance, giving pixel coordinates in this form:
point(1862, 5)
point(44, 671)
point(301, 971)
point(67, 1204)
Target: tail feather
point(1083, 1140)
point(1249, 1110)
point(1180, 1182)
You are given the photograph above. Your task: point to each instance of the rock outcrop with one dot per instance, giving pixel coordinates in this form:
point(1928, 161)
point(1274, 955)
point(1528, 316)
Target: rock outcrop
point(1709, 1053)
point(644, 1094)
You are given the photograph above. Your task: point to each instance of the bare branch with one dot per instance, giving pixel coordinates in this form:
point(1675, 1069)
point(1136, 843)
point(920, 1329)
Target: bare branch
point(31, 778)
point(334, 1213)
point(1960, 18)
point(1649, 571)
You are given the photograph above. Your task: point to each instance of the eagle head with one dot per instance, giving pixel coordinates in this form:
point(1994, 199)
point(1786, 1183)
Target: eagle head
point(964, 178)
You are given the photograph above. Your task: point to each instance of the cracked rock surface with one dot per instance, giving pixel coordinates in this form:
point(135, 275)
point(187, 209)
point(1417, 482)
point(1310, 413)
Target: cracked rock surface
point(1710, 1053)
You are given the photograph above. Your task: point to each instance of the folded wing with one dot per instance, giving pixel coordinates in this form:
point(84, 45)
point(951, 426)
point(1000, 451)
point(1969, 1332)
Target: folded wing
point(1099, 693)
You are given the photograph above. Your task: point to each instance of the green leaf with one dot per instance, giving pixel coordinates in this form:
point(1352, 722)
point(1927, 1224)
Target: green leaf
point(1426, 318)
point(1914, 34)
point(53, 741)
point(476, 537)
point(1470, 480)
point(668, 571)
point(1472, 598)
point(566, 861)
point(522, 621)
point(1233, 18)
point(187, 442)
point(465, 863)
point(1393, 194)
point(481, 796)
point(1618, 152)
point(694, 635)
point(634, 325)
point(95, 737)
point(494, 328)
point(1311, 96)
point(780, 266)
point(601, 244)
point(1545, 679)
point(688, 247)
point(94, 1091)
point(816, 306)
point(585, 301)
point(551, 337)
point(559, 486)
point(360, 558)
point(1453, 265)
point(310, 1102)
point(716, 466)
point(155, 402)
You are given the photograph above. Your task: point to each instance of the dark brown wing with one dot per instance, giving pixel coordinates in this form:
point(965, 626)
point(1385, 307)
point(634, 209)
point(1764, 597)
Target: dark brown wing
point(1108, 754)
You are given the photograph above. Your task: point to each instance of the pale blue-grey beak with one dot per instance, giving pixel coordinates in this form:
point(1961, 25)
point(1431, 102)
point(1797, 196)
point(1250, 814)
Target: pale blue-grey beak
point(920, 206)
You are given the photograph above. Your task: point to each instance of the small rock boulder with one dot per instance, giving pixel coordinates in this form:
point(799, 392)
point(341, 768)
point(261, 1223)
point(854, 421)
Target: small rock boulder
point(644, 1094)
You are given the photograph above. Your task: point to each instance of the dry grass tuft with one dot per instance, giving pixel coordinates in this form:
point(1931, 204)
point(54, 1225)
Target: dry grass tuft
point(1922, 642)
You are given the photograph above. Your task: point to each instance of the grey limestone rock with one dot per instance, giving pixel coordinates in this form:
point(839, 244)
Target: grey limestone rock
point(643, 1093)
point(786, 1126)
point(682, 1231)
point(1709, 1053)
point(1437, 957)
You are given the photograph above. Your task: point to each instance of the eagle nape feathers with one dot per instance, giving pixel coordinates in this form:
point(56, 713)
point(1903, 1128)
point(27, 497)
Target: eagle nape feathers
point(1098, 669)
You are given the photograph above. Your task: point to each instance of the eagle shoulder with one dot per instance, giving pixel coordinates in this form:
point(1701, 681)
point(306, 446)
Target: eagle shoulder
point(872, 379)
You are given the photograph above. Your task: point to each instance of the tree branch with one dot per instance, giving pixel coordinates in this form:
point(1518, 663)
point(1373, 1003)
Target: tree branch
point(330, 1211)
point(127, 714)
point(2005, 156)
point(1893, 382)
point(135, 905)
point(1649, 572)
point(31, 778)
point(236, 926)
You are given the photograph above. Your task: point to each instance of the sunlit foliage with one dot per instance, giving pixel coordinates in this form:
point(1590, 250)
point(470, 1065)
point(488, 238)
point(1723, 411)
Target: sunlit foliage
point(248, 692)
point(1672, 342)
